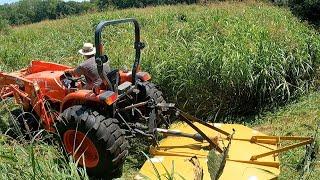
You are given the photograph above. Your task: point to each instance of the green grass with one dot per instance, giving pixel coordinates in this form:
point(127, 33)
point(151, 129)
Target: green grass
point(36, 160)
point(229, 55)
point(226, 58)
point(297, 119)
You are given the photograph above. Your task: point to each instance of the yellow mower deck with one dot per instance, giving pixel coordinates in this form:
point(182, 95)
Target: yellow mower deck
point(177, 152)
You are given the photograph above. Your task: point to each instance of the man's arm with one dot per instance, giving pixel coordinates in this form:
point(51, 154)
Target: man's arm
point(75, 71)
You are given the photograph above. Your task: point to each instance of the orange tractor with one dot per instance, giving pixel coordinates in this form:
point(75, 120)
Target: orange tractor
point(93, 125)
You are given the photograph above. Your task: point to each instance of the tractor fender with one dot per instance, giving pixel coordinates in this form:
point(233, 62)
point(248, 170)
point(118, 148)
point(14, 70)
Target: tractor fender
point(127, 76)
point(81, 97)
point(143, 76)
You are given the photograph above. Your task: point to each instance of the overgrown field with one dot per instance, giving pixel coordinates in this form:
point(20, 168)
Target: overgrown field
point(215, 60)
point(222, 58)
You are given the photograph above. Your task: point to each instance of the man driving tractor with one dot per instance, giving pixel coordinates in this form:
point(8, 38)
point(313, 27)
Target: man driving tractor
point(88, 68)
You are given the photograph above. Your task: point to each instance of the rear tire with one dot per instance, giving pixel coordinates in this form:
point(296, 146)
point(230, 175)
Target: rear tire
point(150, 91)
point(86, 133)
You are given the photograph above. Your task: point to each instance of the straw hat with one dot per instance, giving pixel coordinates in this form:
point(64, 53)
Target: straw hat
point(87, 49)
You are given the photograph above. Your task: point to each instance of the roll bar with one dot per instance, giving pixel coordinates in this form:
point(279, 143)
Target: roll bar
point(138, 45)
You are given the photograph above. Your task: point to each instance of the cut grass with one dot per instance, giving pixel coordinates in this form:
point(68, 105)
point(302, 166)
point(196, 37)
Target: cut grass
point(297, 119)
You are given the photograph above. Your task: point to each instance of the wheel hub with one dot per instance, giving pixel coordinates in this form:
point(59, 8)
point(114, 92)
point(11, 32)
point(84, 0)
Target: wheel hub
point(81, 148)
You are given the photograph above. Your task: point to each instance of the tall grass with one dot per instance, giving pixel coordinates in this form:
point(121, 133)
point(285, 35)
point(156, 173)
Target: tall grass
point(223, 58)
point(34, 160)
point(31, 155)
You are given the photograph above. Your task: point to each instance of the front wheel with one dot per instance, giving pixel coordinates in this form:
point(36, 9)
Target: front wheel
point(23, 124)
point(95, 142)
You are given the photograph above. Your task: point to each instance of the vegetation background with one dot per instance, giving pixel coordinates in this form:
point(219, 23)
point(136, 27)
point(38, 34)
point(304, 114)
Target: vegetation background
point(30, 11)
point(220, 61)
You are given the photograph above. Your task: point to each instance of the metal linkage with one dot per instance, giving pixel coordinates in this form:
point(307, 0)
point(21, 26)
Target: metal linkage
point(189, 119)
point(189, 122)
point(304, 141)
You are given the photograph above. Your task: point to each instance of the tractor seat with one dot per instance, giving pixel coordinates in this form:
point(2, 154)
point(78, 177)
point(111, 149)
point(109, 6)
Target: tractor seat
point(113, 76)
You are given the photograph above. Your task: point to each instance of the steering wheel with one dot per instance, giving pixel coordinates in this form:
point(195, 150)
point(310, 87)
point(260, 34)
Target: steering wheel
point(69, 81)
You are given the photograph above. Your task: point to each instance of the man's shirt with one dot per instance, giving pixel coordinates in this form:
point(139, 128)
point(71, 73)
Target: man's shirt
point(89, 69)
